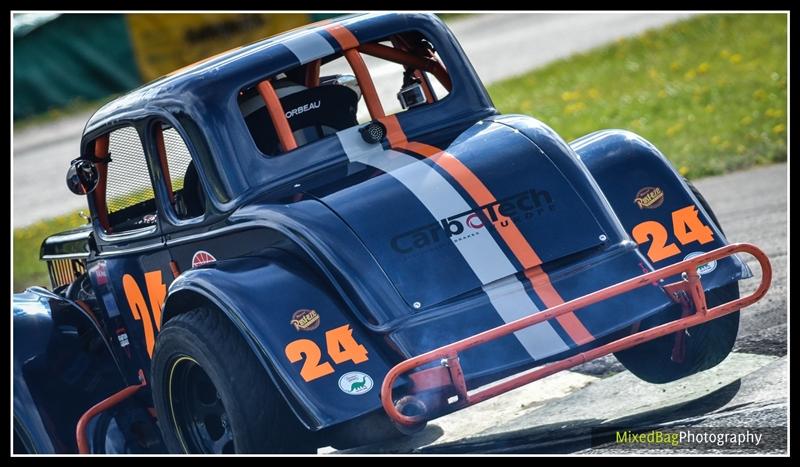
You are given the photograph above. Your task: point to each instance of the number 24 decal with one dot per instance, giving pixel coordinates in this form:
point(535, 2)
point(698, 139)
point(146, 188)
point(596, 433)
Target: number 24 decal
point(341, 348)
point(157, 293)
point(687, 227)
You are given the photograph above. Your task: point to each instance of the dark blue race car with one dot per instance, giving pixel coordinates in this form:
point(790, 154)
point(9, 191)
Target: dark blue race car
point(281, 258)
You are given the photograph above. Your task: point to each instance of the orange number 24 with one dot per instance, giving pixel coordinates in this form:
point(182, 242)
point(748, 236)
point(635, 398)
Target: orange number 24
point(156, 292)
point(341, 348)
point(687, 227)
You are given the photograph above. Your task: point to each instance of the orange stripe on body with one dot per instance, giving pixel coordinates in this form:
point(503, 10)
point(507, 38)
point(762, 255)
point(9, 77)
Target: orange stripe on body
point(482, 196)
point(544, 288)
point(343, 36)
point(511, 234)
point(394, 133)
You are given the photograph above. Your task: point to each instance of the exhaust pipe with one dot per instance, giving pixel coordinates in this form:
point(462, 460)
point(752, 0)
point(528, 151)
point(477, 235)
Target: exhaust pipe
point(413, 407)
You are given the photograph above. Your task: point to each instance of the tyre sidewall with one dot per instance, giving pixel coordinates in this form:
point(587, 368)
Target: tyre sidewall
point(182, 341)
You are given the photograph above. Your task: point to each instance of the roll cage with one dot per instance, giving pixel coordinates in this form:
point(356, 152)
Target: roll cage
point(415, 54)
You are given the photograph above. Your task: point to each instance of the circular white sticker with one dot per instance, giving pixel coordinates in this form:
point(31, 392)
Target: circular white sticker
point(704, 268)
point(355, 383)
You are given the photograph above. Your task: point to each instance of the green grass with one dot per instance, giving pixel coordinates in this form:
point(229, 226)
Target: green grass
point(452, 17)
point(709, 92)
point(28, 269)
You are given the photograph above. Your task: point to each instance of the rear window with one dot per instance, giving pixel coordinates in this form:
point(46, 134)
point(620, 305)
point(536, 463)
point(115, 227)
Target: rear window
point(324, 96)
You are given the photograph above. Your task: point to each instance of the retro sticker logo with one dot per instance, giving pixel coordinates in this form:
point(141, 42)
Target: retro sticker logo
point(704, 268)
point(305, 320)
point(202, 257)
point(649, 197)
point(355, 383)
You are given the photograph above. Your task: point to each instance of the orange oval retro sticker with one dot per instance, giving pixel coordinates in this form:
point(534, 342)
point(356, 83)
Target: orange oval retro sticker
point(305, 320)
point(649, 197)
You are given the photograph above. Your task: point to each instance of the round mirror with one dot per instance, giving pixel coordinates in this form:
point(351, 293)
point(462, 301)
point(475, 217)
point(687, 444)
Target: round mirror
point(82, 177)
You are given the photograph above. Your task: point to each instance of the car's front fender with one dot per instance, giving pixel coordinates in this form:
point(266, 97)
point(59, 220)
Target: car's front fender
point(59, 372)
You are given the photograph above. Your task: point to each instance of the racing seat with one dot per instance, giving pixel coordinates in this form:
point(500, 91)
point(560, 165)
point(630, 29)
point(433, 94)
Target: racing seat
point(190, 201)
point(313, 113)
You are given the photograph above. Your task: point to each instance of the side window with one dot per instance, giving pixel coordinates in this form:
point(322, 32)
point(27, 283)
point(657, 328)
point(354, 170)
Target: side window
point(180, 173)
point(129, 193)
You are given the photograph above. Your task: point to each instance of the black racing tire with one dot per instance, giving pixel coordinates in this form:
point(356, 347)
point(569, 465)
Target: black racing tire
point(706, 344)
point(212, 395)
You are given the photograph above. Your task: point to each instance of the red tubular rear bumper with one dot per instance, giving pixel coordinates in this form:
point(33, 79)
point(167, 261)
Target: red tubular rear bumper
point(449, 378)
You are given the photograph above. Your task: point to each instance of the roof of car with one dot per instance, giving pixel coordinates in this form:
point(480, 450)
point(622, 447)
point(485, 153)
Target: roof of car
point(202, 101)
point(256, 55)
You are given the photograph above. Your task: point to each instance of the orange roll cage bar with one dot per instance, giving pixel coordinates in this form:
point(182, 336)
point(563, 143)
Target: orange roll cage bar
point(102, 406)
point(408, 59)
point(365, 83)
point(101, 152)
point(447, 379)
point(162, 158)
point(277, 113)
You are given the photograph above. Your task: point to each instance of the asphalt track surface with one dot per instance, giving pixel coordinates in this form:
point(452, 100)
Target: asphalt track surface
point(575, 411)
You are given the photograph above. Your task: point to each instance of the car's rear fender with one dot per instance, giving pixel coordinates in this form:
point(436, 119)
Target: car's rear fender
point(269, 298)
point(652, 199)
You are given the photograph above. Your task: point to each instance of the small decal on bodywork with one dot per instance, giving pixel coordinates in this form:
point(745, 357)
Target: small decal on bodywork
point(649, 197)
point(704, 268)
point(202, 257)
point(519, 208)
point(305, 320)
point(355, 383)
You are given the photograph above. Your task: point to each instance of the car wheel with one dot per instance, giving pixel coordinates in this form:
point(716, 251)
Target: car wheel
point(213, 396)
point(706, 345)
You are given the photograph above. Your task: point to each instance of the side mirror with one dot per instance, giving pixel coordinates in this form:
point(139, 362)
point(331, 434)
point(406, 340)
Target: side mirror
point(82, 177)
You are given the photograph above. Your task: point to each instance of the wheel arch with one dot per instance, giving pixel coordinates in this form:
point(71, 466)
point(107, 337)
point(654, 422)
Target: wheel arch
point(259, 295)
point(190, 297)
point(625, 164)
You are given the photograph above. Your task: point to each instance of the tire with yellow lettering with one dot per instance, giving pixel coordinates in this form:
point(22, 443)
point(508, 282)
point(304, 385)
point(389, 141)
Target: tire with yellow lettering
point(212, 395)
point(704, 345)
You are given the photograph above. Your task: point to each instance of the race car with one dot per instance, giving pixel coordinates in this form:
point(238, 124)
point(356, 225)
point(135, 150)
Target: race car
point(331, 236)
